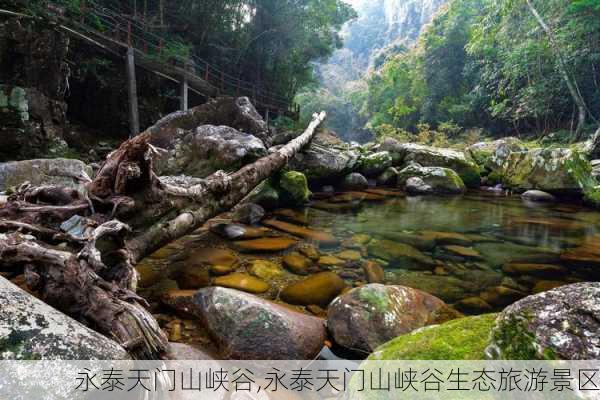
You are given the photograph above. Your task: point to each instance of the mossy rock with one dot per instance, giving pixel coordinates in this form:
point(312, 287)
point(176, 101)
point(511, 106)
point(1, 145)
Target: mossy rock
point(460, 339)
point(294, 186)
point(374, 164)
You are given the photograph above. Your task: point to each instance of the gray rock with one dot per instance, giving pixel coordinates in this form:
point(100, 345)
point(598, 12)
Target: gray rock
point(427, 156)
point(248, 213)
point(32, 330)
point(326, 158)
point(430, 180)
point(484, 152)
point(209, 148)
point(265, 195)
point(538, 196)
point(250, 328)
point(389, 177)
point(558, 324)
point(58, 171)
point(374, 164)
point(366, 317)
point(355, 181)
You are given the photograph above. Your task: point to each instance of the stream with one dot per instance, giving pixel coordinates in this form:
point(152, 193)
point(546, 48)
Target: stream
point(479, 253)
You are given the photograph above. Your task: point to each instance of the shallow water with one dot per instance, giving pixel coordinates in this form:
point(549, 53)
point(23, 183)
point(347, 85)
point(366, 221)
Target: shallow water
point(479, 252)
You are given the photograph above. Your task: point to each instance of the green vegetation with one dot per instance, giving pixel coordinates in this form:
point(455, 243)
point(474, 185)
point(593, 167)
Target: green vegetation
point(507, 67)
point(460, 339)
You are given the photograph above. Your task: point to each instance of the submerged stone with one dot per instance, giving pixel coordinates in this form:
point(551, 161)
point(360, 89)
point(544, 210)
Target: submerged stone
point(459, 339)
point(473, 305)
point(501, 296)
point(318, 289)
point(237, 231)
point(330, 261)
point(213, 256)
point(399, 254)
point(373, 272)
point(244, 282)
point(538, 196)
point(371, 315)
point(291, 215)
point(349, 255)
point(540, 270)
point(465, 252)
point(265, 269)
point(297, 263)
point(310, 251)
point(266, 245)
point(248, 213)
point(323, 238)
point(246, 327)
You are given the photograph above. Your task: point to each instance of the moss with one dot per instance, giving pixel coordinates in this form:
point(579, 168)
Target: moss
point(295, 187)
point(375, 298)
point(512, 340)
point(455, 179)
point(13, 347)
point(460, 339)
point(581, 171)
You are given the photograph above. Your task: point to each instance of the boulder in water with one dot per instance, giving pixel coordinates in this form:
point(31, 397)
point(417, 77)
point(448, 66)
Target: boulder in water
point(374, 164)
point(430, 180)
point(32, 330)
point(265, 195)
point(389, 177)
point(367, 317)
point(484, 153)
point(400, 254)
point(355, 181)
point(406, 153)
point(294, 187)
point(538, 196)
point(248, 213)
point(562, 323)
point(246, 327)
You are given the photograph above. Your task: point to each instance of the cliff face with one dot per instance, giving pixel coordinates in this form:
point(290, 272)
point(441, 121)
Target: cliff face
point(406, 18)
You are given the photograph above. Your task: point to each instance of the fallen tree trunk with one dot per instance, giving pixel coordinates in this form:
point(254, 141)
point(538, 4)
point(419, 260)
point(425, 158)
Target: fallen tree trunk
point(94, 280)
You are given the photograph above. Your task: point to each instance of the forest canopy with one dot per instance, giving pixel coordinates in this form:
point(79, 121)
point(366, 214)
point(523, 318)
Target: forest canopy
point(507, 66)
point(271, 43)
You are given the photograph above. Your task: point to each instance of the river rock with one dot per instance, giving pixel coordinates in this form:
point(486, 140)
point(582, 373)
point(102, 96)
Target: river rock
point(389, 177)
point(501, 296)
point(366, 317)
point(318, 289)
point(538, 196)
point(32, 330)
point(194, 276)
point(58, 171)
point(473, 305)
point(248, 213)
point(540, 270)
point(405, 153)
point(399, 254)
point(209, 148)
point(373, 272)
point(321, 237)
point(297, 263)
point(556, 170)
point(374, 164)
point(562, 323)
point(265, 195)
point(325, 158)
point(265, 245)
point(349, 255)
point(464, 252)
point(294, 186)
point(244, 282)
point(430, 180)
point(237, 231)
point(213, 256)
point(246, 327)
point(483, 152)
point(355, 181)
point(264, 269)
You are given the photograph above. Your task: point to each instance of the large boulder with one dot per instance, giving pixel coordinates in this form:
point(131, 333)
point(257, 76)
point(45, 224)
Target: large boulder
point(427, 156)
point(558, 171)
point(32, 330)
point(326, 158)
point(562, 323)
point(431, 180)
point(483, 152)
point(209, 148)
point(355, 181)
point(459, 339)
point(367, 317)
point(58, 171)
point(250, 328)
point(374, 164)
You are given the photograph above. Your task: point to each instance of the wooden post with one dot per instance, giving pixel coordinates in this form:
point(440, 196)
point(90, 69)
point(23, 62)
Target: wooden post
point(134, 121)
point(183, 98)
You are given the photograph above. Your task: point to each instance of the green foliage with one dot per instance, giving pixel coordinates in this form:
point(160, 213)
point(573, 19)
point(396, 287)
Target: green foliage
point(487, 63)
